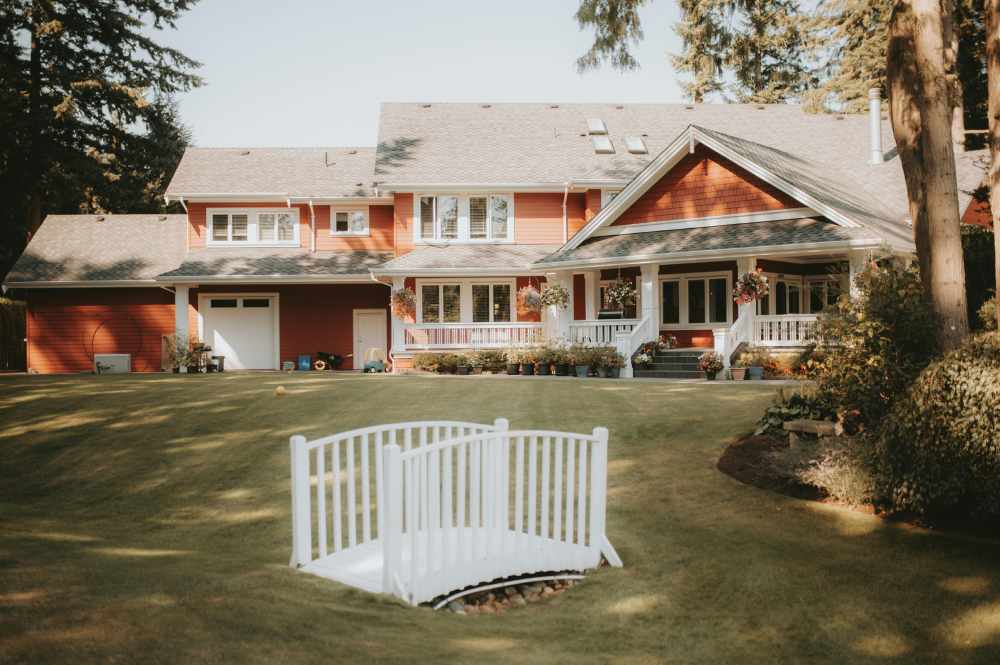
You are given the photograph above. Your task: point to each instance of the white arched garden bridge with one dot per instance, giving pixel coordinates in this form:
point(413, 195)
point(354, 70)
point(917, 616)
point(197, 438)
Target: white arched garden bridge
point(424, 509)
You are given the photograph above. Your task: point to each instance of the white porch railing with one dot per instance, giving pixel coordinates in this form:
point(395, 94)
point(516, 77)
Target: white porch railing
point(604, 331)
point(629, 342)
point(458, 504)
point(783, 330)
point(471, 335)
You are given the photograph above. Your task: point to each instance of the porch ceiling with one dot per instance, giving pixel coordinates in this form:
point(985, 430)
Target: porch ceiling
point(725, 240)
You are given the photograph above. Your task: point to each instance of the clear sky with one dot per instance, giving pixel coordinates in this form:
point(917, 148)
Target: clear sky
point(313, 72)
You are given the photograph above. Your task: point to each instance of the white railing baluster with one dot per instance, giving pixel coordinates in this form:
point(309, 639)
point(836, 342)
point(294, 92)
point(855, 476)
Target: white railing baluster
point(581, 495)
point(301, 519)
point(351, 507)
point(532, 485)
point(321, 500)
point(337, 533)
point(366, 502)
point(545, 530)
point(570, 486)
point(557, 491)
point(392, 531)
point(519, 487)
point(379, 498)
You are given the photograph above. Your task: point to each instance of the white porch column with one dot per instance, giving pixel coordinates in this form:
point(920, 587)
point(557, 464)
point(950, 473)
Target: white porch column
point(556, 320)
point(649, 297)
point(398, 337)
point(181, 319)
point(857, 260)
point(745, 264)
point(592, 292)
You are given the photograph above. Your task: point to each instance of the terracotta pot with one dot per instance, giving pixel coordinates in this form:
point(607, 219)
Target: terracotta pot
point(738, 373)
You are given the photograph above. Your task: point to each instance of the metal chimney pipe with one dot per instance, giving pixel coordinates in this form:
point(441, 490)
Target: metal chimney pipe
point(875, 126)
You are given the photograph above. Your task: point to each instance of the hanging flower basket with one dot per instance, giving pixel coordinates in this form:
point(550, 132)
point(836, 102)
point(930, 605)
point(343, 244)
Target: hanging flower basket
point(404, 304)
point(529, 299)
point(555, 295)
point(750, 287)
point(621, 293)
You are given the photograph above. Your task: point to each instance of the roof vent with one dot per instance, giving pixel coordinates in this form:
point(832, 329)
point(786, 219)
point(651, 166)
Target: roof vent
point(760, 108)
point(602, 144)
point(596, 126)
point(244, 153)
point(163, 218)
point(620, 107)
point(486, 106)
point(553, 106)
point(425, 106)
point(636, 145)
point(689, 107)
point(352, 152)
point(99, 218)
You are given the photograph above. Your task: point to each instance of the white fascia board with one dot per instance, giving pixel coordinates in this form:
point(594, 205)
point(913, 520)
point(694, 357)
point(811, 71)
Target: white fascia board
point(471, 272)
point(599, 183)
point(472, 187)
point(717, 255)
point(667, 159)
point(358, 278)
point(347, 200)
point(84, 284)
point(229, 197)
point(705, 222)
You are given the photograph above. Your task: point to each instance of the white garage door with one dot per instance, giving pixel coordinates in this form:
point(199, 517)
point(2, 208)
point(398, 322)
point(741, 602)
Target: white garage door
point(241, 328)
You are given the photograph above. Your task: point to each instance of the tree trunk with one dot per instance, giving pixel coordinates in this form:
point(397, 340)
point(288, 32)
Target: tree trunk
point(920, 106)
point(992, 8)
point(35, 124)
point(950, 38)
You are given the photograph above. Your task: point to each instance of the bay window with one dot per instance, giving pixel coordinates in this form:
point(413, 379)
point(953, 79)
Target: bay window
point(474, 218)
point(266, 227)
point(695, 300)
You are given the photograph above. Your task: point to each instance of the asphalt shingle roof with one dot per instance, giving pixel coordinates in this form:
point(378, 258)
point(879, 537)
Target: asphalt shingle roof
point(73, 248)
point(285, 171)
point(264, 262)
point(471, 258)
point(713, 238)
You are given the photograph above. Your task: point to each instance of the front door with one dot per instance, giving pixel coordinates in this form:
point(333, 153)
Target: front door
point(369, 333)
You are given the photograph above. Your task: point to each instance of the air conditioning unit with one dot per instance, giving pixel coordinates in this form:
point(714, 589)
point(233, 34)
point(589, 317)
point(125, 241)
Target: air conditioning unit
point(112, 363)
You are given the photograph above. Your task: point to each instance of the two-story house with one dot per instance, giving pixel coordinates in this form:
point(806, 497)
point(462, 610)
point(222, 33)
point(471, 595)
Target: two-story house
point(284, 252)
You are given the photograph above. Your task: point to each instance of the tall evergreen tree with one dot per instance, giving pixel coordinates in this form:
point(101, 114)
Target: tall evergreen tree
point(79, 81)
point(704, 32)
point(766, 55)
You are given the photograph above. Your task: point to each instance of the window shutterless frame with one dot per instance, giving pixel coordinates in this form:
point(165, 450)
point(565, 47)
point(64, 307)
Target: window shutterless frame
point(240, 221)
point(429, 223)
point(714, 288)
point(351, 222)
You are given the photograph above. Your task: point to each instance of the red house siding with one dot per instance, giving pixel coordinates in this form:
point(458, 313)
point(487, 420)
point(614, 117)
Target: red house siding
point(66, 327)
point(380, 222)
point(704, 185)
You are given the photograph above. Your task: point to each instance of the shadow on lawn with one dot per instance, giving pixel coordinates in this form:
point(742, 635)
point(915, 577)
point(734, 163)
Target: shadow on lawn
point(155, 511)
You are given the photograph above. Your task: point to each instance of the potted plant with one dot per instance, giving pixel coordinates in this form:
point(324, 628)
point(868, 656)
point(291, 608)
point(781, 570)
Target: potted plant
point(621, 293)
point(738, 372)
point(750, 286)
point(513, 361)
point(403, 303)
point(448, 363)
point(580, 358)
point(463, 365)
point(529, 300)
point(543, 360)
point(755, 360)
point(644, 358)
point(711, 364)
point(477, 362)
point(555, 295)
point(667, 342)
point(615, 362)
point(562, 361)
point(528, 362)
point(177, 352)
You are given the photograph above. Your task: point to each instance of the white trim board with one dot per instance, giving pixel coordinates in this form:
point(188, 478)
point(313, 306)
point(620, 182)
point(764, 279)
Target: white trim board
point(704, 222)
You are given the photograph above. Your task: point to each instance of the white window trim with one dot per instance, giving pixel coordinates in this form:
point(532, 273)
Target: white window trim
point(465, 298)
point(463, 219)
point(682, 292)
point(252, 227)
point(364, 210)
point(607, 196)
point(825, 280)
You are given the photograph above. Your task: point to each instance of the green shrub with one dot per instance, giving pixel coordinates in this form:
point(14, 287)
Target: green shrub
point(449, 362)
point(939, 450)
point(882, 340)
point(428, 362)
point(988, 314)
point(491, 360)
point(797, 405)
point(842, 469)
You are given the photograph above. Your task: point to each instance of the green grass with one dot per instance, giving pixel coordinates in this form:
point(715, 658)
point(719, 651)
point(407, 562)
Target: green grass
point(146, 519)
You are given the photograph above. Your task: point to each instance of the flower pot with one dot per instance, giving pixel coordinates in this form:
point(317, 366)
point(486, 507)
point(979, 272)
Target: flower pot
point(512, 368)
point(177, 370)
point(463, 370)
point(582, 371)
point(710, 375)
point(602, 372)
point(738, 373)
point(544, 369)
point(562, 369)
point(614, 372)
point(756, 373)
point(193, 369)
point(528, 369)
point(477, 370)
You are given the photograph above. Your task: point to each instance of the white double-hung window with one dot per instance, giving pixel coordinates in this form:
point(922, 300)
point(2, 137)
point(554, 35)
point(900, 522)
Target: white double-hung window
point(467, 218)
point(268, 227)
point(349, 222)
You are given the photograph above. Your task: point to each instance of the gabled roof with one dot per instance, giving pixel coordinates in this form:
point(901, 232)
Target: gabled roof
point(103, 249)
point(281, 172)
point(791, 235)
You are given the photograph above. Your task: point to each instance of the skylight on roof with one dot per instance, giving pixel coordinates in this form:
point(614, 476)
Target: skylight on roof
point(596, 126)
point(602, 144)
point(636, 145)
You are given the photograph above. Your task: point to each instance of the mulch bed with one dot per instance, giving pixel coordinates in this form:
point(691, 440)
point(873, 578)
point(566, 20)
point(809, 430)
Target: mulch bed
point(748, 461)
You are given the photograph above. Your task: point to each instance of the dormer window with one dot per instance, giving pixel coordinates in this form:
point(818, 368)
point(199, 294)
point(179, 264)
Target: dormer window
point(350, 223)
point(472, 218)
point(268, 227)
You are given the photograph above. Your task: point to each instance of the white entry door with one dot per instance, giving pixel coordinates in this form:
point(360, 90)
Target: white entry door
point(369, 333)
point(241, 328)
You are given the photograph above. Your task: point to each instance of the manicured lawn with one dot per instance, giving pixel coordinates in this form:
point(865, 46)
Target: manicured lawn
point(146, 519)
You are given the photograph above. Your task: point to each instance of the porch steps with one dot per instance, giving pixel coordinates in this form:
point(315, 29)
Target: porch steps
point(681, 364)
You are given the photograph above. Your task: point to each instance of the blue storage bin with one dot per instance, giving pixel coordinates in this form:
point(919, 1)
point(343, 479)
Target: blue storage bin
point(305, 363)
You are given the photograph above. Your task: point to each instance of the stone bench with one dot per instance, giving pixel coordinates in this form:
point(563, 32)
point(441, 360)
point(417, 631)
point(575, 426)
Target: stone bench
point(818, 427)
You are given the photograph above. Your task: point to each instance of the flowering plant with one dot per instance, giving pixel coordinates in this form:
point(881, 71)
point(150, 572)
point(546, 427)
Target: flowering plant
point(529, 299)
point(668, 342)
point(643, 360)
point(710, 362)
point(404, 303)
point(555, 295)
point(621, 292)
point(750, 286)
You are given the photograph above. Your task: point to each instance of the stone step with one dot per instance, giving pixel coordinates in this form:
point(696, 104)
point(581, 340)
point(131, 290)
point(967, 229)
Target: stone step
point(671, 367)
point(668, 374)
